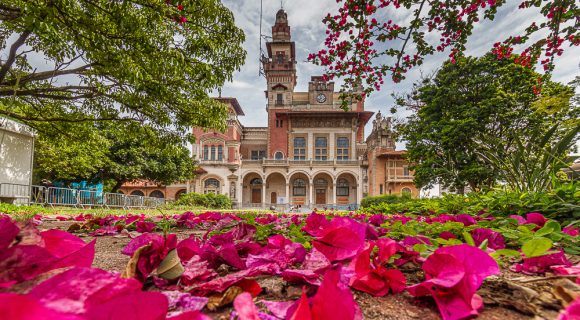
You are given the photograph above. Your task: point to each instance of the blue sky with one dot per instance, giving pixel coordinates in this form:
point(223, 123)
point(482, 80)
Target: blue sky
point(305, 18)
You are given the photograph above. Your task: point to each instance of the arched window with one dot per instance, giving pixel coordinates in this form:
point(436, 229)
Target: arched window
point(406, 192)
point(180, 193)
point(256, 182)
point(279, 155)
point(212, 186)
point(157, 194)
point(137, 193)
point(342, 188)
point(299, 187)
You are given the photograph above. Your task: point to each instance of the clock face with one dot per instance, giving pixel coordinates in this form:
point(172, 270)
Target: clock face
point(321, 98)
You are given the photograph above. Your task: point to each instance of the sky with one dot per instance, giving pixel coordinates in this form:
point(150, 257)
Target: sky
point(308, 31)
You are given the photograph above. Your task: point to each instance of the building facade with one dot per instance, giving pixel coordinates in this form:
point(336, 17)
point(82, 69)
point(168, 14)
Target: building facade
point(312, 153)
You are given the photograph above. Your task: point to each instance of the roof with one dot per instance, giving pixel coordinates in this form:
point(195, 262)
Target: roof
point(16, 127)
point(234, 102)
point(364, 115)
point(392, 153)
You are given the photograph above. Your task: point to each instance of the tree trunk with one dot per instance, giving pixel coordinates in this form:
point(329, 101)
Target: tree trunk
point(118, 185)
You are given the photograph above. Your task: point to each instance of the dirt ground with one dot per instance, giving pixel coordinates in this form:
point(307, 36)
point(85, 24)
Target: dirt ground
point(507, 297)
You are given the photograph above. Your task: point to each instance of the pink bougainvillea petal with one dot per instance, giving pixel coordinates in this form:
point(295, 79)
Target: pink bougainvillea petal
point(79, 288)
point(278, 308)
point(9, 232)
point(342, 238)
point(245, 307)
point(542, 264)
point(21, 307)
point(495, 240)
point(572, 312)
point(453, 275)
point(536, 218)
point(333, 300)
point(301, 310)
point(190, 315)
point(132, 306)
point(24, 262)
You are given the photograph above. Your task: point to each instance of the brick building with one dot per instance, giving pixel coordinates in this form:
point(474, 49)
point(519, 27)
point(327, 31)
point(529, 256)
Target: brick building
point(312, 153)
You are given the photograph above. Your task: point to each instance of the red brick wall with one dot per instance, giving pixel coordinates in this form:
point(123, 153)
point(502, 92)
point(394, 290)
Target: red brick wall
point(278, 137)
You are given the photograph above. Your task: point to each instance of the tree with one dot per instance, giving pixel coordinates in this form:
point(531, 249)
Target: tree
point(147, 61)
point(472, 101)
point(363, 46)
point(114, 152)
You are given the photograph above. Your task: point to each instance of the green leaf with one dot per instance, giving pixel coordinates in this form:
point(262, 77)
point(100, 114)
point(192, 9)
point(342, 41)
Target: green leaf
point(536, 247)
point(550, 227)
point(468, 238)
point(505, 253)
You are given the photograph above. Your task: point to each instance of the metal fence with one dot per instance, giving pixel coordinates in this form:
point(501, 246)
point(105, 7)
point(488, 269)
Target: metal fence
point(66, 197)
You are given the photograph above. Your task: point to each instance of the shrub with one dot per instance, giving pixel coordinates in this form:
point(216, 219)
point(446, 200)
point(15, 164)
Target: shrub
point(560, 203)
point(386, 198)
point(209, 200)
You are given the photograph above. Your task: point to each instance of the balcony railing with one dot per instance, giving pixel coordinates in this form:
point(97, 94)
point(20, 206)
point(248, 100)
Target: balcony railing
point(400, 178)
point(309, 162)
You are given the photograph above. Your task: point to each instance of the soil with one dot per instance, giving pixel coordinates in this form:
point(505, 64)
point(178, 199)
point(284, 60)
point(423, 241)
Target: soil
point(510, 296)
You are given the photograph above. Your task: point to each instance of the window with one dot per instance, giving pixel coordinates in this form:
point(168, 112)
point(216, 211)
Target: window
point(279, 98)
point(280, 57)
point(342, 148)
point(406, 192)
point(205, 152)
point(258, 154)
point(299, 148)
point(405, 171)
point(157, 194)
point(321, 148)
point(279, 156)
point(220, 155)
point(299, 187)
point(213, 153)
point(279, 123)
point(256, 182)
point(211, 186)
point(381, 189)
point(342, 188)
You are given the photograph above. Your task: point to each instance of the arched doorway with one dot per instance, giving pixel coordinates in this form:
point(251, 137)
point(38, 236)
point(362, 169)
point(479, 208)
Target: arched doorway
point(346, 189)
point(322, 189)
point(299, 189)
point(276, 187)
point(256, 189)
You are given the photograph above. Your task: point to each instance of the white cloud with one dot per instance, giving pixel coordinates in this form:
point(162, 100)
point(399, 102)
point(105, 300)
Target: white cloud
point(305, 18)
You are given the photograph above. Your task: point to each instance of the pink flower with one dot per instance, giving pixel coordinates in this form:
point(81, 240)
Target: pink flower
point(370, 274)
point(494, 239)
point(332, 301)
point(245, 307)
point(572, 231)
point(341, 239)
point(151, 258)
point(453, 275)
point(536, 218)
point(542, 264)
point(144, 226)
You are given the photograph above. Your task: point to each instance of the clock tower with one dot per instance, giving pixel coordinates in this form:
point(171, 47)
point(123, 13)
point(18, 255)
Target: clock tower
point(280, 71)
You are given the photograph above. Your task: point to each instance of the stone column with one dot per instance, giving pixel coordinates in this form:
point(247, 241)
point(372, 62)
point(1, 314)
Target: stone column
point(353, 155)
point(288, 193)
point(331, 148)
point(310, 146)
point(310, 193)
point(334, 193)
point(264, 192)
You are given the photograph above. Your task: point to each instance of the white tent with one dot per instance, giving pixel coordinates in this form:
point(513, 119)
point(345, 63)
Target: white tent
point(16, 159)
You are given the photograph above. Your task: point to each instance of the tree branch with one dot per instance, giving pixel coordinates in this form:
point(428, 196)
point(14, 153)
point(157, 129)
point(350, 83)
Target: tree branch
point(12, 55)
